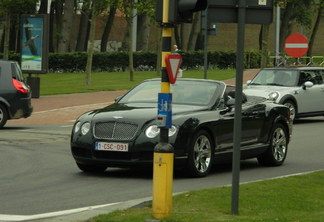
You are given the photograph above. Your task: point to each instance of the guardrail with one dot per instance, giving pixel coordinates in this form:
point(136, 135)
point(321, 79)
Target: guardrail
point(302, 61)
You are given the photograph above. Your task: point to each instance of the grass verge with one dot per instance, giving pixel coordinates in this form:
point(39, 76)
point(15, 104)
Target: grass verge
point(66, 83)
point(295, 198)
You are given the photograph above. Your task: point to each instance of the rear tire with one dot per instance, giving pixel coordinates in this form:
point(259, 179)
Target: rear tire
point(91, 168)
point(276, 153)
point(201, 155)
point(3, 115)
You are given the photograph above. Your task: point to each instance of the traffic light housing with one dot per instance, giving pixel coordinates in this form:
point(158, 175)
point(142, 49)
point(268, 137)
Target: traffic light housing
point(180, 11)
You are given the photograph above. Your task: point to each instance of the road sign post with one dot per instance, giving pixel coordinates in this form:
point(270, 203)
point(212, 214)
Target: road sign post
point(241, 12)
point(296, 45)
point(168, 13)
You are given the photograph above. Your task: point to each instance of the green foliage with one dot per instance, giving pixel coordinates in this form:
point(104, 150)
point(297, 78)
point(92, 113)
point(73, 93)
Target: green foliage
point(297, 198)
point(66, 83)
point(18, 7)
point(118, 61)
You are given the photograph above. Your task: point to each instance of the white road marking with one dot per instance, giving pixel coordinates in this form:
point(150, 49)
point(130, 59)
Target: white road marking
point(6, 217)
point(71, 107)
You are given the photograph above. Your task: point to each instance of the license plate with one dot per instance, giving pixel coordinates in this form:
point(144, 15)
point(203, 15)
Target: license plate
point(121, 147)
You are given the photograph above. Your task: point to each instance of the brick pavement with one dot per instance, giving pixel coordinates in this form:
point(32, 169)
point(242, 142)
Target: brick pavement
point(64, 109)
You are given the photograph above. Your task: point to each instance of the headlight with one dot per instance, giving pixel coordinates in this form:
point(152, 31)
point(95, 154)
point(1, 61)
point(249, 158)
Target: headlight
point(273, 96)
point(154, 130)
point(85, 128)
point(172, 130)
point(77, 127)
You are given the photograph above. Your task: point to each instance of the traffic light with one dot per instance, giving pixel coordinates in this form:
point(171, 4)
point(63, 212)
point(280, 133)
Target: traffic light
point(180, 11)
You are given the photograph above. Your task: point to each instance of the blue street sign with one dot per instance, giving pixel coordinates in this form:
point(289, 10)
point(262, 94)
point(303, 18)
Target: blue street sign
point(164, 119)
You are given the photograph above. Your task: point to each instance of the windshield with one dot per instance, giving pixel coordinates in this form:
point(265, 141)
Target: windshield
point(183, 92)
point(276, 77)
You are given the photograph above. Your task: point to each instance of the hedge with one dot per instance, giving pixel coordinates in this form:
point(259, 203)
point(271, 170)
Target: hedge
point(118, 61)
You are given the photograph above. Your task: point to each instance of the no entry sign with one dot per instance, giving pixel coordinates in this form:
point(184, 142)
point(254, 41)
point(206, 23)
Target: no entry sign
point(296, 45)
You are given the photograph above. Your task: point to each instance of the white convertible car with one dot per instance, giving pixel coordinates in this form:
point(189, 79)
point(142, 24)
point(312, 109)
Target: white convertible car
point(299, 88)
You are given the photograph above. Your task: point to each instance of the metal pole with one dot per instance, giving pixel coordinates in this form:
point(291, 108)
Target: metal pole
point(238, 106)
point(277, 34)
point(163, 151)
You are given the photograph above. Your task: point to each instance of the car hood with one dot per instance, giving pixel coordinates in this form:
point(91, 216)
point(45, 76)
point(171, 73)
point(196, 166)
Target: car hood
point(139, 113)
point(264, 90)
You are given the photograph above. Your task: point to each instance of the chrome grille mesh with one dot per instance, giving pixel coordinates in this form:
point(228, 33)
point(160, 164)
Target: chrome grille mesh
point(115, 130)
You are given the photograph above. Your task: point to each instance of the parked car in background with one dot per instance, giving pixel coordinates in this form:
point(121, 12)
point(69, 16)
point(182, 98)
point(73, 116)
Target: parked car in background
point(299, 88)
point(125, 133)
point(15, 94)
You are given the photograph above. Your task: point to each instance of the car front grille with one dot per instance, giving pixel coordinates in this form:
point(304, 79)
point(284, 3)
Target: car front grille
point(115, 130)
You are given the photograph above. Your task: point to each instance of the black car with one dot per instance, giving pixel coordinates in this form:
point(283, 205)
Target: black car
point(125, 133)
point(15, 94)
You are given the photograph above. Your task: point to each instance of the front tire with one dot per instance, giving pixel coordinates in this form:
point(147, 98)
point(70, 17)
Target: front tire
point(3, 115)
point(276, 153)
point(91, 168)
point(201, 155)
point(292, 107)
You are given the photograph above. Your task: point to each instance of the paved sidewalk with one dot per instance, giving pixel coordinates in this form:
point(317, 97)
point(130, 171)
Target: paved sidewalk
point(64, 109)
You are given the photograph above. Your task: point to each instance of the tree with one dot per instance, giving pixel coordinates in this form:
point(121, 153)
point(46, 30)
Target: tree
point(127, 7)
point(10, 9)
point(294, 11)
point(108, 26)
point(186, 34)
point(320, 8)
point(56, 19)
point(264, 44)
point(97, 7)
point(82, 40)
point(64, 41)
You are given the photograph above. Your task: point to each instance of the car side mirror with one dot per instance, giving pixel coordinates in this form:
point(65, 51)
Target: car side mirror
point(307, 84)
point(230, 102)
point(248, 82)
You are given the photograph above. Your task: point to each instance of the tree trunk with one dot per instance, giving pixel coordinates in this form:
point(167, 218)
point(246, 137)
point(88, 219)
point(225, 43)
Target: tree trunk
point(184, 36)
point(51, 28)
point(143, 32)
point(284, 28)
point(159, 54)
point(315, 29)
point(43, 7)
point(130, 50)
point(177, 36)
point(90, 49)
point(195, 30)
point(109, 24)
point(64, 44)
point(264, 45)
point(82, 40)
point(57, 28)
point(7, 35)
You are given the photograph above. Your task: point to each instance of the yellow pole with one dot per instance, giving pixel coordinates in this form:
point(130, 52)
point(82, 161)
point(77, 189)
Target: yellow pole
point(163, 151)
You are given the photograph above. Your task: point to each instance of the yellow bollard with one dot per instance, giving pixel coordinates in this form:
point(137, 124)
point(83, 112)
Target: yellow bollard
point(162, 185)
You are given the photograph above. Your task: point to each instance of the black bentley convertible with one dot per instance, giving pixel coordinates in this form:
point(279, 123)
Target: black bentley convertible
point(125, 133)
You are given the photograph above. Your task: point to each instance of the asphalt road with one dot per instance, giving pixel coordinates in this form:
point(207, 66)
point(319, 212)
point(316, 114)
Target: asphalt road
point(38, 174)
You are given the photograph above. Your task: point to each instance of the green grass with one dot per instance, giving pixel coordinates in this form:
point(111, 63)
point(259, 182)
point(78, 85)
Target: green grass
point(66, 83)
point(297, 198)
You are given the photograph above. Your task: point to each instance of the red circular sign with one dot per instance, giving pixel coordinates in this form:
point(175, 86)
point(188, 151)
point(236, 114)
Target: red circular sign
point(296, 45)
